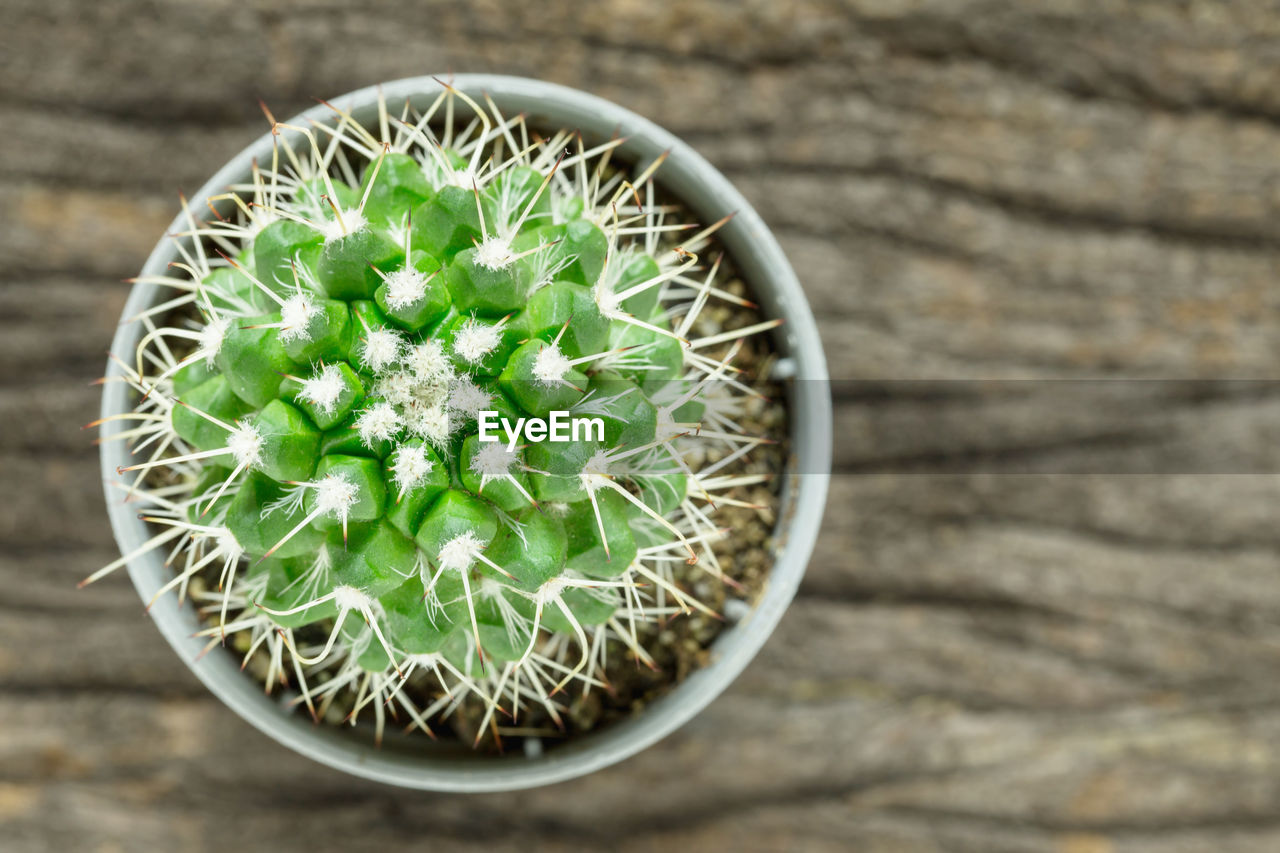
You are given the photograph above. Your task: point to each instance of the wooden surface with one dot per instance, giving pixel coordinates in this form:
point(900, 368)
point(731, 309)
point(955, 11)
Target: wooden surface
point(978, 659)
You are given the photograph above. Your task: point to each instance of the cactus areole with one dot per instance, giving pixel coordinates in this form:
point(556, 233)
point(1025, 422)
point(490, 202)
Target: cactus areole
point(424, 394)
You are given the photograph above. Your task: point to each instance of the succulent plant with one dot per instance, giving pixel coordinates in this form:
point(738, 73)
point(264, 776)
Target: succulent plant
point(310, 399)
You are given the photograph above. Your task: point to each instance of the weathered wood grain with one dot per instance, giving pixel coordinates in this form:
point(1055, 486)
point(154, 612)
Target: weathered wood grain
point(1039, 617)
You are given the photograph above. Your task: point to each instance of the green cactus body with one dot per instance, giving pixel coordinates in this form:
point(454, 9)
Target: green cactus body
point(344, 357)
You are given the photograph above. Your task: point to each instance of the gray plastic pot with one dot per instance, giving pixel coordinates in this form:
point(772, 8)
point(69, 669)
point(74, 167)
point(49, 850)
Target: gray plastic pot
point(421, 763)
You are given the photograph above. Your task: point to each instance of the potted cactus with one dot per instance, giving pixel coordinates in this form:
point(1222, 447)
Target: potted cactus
point(418, 410)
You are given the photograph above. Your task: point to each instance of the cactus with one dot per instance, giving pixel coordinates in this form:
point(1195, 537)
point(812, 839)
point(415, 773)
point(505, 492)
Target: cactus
point(311, 397)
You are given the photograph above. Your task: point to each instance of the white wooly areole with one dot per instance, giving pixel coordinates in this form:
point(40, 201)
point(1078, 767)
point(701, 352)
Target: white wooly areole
point(425, 398)
point(562, 426)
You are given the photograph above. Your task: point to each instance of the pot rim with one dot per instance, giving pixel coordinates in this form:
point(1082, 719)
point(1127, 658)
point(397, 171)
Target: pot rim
point(759, 260)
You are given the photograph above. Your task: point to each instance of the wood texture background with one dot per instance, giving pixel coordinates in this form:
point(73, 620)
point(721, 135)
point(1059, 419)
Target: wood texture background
point(978, 659)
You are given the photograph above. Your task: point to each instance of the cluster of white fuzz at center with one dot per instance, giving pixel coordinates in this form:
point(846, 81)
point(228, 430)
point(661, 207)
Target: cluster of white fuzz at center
point(419, 391)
